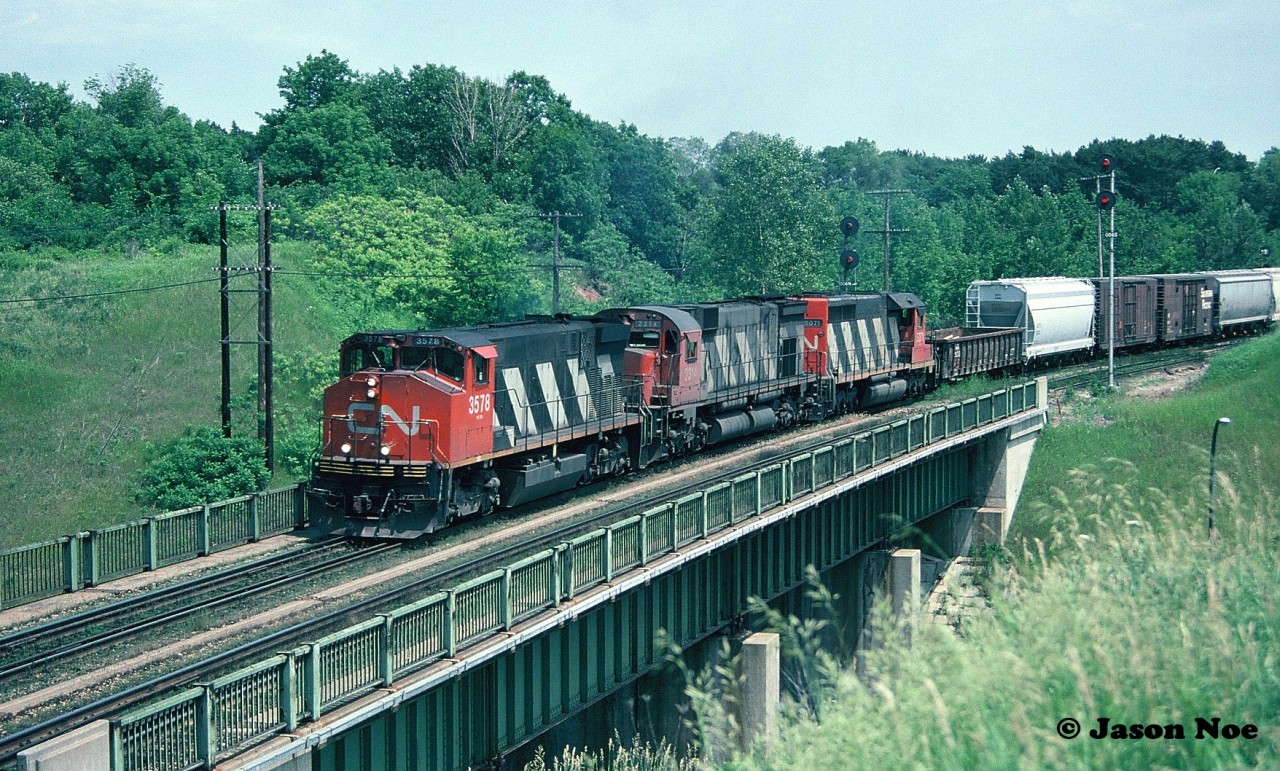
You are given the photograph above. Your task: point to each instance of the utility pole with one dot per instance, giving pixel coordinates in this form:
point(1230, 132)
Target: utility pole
point(224, 340)
point(266, 428)
point(887, 231)
point(555, 259)
point(263, 339)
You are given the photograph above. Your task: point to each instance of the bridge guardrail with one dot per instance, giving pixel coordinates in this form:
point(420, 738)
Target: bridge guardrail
point(73, 562)
point(201, 726)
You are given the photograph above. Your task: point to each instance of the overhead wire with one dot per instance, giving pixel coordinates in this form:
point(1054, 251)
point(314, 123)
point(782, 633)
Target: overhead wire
point(92, 295)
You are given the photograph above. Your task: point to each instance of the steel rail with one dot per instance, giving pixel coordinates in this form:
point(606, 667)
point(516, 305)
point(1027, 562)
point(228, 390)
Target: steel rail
point(341, 617)
point(238, 594)
point(101, 613)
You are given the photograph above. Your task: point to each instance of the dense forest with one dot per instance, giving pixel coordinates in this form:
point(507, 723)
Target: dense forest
point(423, 189)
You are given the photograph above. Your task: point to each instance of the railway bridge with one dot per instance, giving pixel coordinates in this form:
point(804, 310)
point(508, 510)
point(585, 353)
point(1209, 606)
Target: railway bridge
point(468, 676)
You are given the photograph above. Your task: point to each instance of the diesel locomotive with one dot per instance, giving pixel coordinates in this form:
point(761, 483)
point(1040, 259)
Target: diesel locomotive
point(427, 427)
point(424, 428)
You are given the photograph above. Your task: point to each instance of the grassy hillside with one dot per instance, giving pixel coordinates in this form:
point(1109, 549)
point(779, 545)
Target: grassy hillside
point(1166, 440)
point(85, 384)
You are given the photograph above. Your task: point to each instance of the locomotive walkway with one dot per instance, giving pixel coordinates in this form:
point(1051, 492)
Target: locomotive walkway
point(464, 676)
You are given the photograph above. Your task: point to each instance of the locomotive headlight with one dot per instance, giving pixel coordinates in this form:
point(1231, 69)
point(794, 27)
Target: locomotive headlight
point(385, 451)
point(372, 393)
point(346, 448)
point(372, 382)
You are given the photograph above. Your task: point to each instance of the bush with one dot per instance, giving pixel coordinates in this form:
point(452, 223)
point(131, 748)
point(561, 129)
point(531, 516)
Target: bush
point(199, 467)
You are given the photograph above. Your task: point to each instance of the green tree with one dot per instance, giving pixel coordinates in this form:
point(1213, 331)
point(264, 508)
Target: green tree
point(643, 192)
point(767, 228)
point(316, 81)
point(35, 106)
point(1262, 188)
point(1225, 232)
point(332, 145)
point(415, 260)
point(199, 467)
point(569, 175)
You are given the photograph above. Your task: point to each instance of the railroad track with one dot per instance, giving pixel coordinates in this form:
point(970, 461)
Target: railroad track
point(339, 618)
point(64, 639)
point(423, 585)
point(1130, 365)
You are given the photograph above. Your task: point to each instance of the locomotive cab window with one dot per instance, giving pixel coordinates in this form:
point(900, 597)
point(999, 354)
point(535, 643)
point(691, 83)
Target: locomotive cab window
point(645, 338)
point(690, 350)
point(481, 365)
point(444, 361)
point(358, 357)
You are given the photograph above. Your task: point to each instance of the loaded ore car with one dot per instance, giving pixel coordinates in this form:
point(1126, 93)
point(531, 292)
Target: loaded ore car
point(1244, 301)
point(1184, 307)
point(1056, 314)
point(1135, 302)
point(963, 351)
point(431, 426)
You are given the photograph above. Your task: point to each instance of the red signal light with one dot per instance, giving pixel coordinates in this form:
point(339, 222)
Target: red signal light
point(1107, 163)
point(1105, 201)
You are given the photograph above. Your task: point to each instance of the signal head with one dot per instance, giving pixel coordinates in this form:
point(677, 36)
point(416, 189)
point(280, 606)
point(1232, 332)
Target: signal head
point(1106, 200)
point(849, 260)
point(1107, 163)
point(849, 226)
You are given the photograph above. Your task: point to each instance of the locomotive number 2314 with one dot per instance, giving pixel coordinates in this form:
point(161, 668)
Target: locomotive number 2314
point(479, 404)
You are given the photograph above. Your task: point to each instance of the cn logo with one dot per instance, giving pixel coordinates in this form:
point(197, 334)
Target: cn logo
point(410, 428)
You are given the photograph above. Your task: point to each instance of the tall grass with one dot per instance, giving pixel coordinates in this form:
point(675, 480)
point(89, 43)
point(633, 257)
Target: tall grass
point(1167, 439)
point(1121, 607)
point(1137, 617)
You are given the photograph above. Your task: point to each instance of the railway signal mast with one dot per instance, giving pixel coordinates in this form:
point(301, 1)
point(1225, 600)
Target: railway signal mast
point(1106, 201)
point(848, 257)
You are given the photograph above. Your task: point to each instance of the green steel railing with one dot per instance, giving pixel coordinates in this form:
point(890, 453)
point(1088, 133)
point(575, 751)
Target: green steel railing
point(203, 725)
point(73, 562)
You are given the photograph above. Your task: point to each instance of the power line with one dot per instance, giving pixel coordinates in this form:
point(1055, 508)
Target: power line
point(453, 274)
point(353, 276)
point(53, 298)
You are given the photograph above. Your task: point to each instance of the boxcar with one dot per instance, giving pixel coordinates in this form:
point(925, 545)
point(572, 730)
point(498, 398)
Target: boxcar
point(963, 351)
point(1055, 314)
point(1135, 310)
point(1184, 306)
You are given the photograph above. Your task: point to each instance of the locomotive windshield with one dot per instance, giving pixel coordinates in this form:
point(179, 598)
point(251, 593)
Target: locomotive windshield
point(645, 338)
point(365, 356)
point(445, 361)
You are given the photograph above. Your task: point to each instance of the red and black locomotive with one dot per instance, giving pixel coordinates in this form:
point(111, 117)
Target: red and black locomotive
point(427, 427)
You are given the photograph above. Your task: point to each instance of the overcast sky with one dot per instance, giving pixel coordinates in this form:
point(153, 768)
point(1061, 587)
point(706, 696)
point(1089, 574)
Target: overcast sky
point(948, 78)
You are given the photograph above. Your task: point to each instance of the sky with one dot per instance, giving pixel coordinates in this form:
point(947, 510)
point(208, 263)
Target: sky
point(947, 78)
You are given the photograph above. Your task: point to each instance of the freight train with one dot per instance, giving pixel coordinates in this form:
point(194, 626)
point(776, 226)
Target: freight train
point(424, 428)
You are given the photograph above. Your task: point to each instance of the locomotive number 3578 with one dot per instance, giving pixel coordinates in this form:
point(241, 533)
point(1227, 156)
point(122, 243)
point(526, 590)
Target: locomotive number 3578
point(480, 403)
